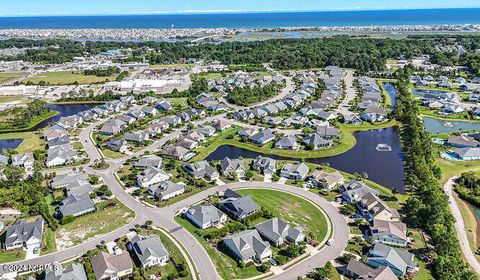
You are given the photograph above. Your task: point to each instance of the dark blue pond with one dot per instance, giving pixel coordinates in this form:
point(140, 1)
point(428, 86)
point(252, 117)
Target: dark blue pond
point(65, 110)
point(392, 92)
point(6, 144)
point(385, 168)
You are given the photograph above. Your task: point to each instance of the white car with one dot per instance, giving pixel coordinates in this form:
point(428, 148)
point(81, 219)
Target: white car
point(329, 242)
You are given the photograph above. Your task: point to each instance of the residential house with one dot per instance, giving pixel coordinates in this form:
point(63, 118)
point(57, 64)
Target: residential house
point(248, 246)
point(229, 166)
point(265, 165)
point(64, 154)
point(262, 137)
point(165, 190)
point(221, 125)
point(195, 136)
point(389, 232)
point(359, 270)
point(287, 143)
point(151, 175)
point(54, 132)
point(315, 141)
point(374, 114)
point(467, 153)
point(78, 188)
point(175, 152)
point(296, 172)
point(76, 205)
point(400, 261)
point(247, 132)
point(74, 271)
point(63, 180)
point(354, 190)
point(117, 145)
point(206, 130)
point(149, 111)
point(111, 266)
point(374, 208)
point(201, 169)
point(206, 216)
point(239, 207)
point(25, 160)
point(150, 251)
point(23, 234)
point(327, 181)
point(147, 161)
point(278, 231)
point(187, 144)
point(137, 136)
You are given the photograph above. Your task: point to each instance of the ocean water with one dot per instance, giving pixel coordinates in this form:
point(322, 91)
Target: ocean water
point(252, 20)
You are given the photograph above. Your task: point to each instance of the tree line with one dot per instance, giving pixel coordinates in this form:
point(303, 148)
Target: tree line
point(427, 208)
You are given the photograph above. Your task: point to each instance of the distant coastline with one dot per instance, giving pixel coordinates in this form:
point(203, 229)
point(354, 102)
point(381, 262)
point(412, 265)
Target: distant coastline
point(250, 19)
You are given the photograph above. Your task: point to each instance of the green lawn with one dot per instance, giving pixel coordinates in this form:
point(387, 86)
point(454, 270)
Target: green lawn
point(180, 101)
point(11, 256)
point(104, 220)
point(292, 209)
point(68, 77)
point(10, 98)
point(348, 141)
point(50, 244)
point(455, 168)
point(6, 76)
point(31, 140)
point(6, 125)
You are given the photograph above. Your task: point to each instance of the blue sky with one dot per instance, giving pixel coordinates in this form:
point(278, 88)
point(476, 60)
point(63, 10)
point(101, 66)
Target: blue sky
point(106, 7)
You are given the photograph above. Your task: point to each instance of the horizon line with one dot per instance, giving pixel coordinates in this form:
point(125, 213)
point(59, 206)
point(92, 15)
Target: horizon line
point(219, 12)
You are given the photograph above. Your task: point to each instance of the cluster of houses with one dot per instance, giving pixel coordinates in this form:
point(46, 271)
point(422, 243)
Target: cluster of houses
point(77, 189)
point(149, 252)
point(183, 148)
point(444, 82)
point(248, 245)
point(153, 178)
point(23, 160)
point(60, 150)
point(371, 100)
point(466, 146)
point(241, 79)
point(446, 102)
point(385, 228)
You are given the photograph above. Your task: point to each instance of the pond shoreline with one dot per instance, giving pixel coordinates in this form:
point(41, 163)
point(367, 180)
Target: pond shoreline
point(52, 114)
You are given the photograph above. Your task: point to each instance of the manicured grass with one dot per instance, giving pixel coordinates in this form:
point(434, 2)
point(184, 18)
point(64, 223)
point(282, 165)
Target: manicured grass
point(292, 209)
point(50, 244)
point(104, 220)
point(11, 256)
point(424, 111)
point(31, 140)
point(212, 76)
point(455, 168)
point(6, 76)
point(226, 267)
point(68, 77)
point(348, 141)
point(470, 223)
point(112, 154)
point(388, 99)
point(180, 101)
point(423, 273)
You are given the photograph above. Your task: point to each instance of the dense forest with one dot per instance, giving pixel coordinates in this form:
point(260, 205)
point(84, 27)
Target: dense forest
point(362, 53)
point(109, 71)
point(468, 187)
point(247, 96)
point(428, 206)
point(22, 117)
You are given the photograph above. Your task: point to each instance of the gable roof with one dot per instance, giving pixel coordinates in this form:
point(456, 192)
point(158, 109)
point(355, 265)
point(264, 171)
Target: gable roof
point(104, 262)
point(146, 247)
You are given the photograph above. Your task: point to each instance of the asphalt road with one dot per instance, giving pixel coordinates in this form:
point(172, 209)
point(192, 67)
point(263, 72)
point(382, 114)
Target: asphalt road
point(460, 226)
point(164, 217)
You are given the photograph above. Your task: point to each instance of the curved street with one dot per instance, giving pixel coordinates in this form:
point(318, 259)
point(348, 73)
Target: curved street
point(467, 251)
point(164, 217)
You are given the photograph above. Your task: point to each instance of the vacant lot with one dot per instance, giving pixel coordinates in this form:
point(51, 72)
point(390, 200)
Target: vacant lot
point(4, 77)
point(67, 78)
point(104, 220)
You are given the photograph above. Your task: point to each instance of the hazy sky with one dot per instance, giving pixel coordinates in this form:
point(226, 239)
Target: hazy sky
point(106, 7)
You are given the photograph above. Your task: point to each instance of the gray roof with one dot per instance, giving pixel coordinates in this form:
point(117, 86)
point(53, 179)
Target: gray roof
point(262, 135)
point(248, 243)
point(21, 231)
point(200, 169)
point(286, 142)
point(74, 205)
point(104, 262)
point(400, 258)
point(316, 140)
point(164, 188)
point(468, 152)
point(262, 163)
point(79, 188)
point(74, 271)
point(239, 207)
point(67, 178)
point(205, 213)
point(148, 160)
point(300, 169)
point(145, 247)
point(231, 165)
point(276, 229)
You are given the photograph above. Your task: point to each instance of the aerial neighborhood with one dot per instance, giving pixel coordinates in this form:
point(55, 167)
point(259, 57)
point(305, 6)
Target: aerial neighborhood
point(213, 157)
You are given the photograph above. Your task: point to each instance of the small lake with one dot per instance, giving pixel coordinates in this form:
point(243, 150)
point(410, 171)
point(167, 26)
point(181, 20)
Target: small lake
point(423, 92)
point(6, 144)
point(385, 168)
point(65, 110)
point(392, 92)
point(437, 126)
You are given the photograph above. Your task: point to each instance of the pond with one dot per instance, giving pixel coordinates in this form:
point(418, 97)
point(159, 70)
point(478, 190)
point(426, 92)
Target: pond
point(65, 110)
point(6, 144)
point(436, 126)
point(423, 91)
point(385, 168)
point(392, 92)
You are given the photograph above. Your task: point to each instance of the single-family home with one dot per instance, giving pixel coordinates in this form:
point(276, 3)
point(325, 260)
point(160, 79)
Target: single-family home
point(248, 246)
point(239, 207)
point(262, 137)
point(23, 234)
point(175, 152)
point(165, 190)
point(354, 190)
point(111, 266)
point(56, 271)
point(287, 143)
point(399, 260)
point(265, 165)
point(327, 181)
point(206, 216)
point(150, 251)
point(278, 231)
point(389, 232)
point(201, 169)
point(229, 166)
point(359, 270)
point(151, 175)
point(147, 161)
point(117, 145)
point(296, 172)
point(76, 205)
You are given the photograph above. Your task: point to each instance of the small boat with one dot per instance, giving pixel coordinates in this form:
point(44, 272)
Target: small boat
point(383, 148)
point(448, 124)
